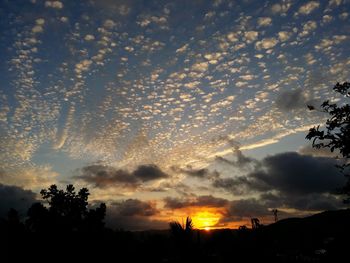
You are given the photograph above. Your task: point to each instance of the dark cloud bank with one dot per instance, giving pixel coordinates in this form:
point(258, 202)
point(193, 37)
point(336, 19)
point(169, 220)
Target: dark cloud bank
point(130, 214)
point(133, 214)
point(15, 197)
point(289, 173)
point(106, 176)
point(288, 180)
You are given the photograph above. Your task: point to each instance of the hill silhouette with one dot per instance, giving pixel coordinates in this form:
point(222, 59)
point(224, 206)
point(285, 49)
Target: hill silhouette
point(321, 237)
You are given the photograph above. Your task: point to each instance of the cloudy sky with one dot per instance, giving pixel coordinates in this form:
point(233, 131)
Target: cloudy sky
point(165, 109)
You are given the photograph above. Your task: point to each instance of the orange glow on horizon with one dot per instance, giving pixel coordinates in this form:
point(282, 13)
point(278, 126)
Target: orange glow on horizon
point(205, 219)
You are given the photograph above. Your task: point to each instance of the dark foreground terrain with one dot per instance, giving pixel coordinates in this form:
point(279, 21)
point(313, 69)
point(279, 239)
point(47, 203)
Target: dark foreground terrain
point(322, 237)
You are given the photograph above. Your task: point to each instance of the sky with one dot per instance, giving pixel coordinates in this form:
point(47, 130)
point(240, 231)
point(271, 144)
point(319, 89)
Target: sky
point(167, 109)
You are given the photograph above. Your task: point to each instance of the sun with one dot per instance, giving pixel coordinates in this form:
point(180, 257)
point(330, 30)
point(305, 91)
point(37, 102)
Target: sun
point(205, 220)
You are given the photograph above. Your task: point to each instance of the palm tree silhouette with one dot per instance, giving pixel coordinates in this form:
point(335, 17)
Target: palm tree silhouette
point(182, 233)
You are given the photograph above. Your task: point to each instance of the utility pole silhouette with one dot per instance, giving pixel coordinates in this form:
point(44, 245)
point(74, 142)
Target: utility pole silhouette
point(275, 214)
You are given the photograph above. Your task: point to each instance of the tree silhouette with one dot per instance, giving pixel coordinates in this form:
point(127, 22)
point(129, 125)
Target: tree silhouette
point(14, 225)
point(336, 135)
point(38, 218)
point(182, 233)
point(255, 223)
point(68, 211)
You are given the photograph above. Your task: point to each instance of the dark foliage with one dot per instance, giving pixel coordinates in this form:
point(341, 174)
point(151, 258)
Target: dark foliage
point(67, 212)
point(182, 233)
point(58, 233)
point(336, 135)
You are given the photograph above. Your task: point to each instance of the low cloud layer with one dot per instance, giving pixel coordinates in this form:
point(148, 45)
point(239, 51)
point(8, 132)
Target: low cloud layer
point(133, 214)
point(102, 176)
point(301, 174)
point(200, 201)
point(288, 180)
point(16, 198)
point(201, 173)
point(288, 172)
point(135, 207)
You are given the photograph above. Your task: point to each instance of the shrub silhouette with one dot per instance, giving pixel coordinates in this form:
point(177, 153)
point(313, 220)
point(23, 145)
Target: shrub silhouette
point(67, 211)
point(336, 135)
point(182, 233)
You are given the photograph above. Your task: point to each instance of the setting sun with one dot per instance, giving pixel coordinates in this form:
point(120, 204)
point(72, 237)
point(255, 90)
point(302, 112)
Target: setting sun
point(205, 220)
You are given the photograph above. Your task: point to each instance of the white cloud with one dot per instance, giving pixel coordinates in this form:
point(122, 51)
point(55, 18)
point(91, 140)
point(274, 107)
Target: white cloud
point(109, 23)
point(284, 35)
point(40, 21)
point(335, 2)
point(31, 177)
point(227, 102)
point(37, 29)
point(144, 22)
point(327, 19)
point(240, 84)
point(192, 85)
point(266, 43)
point(201, 67)
point(310, 59)
point(182, 49)
point(344, 16)
point(247, 77)
point(308, 27)
point(83, 65)
point(308, 7)
point(251, 36)
point(89, 37)
point(129, 48)
point(233, 37)
point(324, 44)
point(54, 4)
point(339, 38)
point(64, 19)
point(213, 58)
point(264, 21)
point(281, 8)
point(327, 43)
point(160, 21)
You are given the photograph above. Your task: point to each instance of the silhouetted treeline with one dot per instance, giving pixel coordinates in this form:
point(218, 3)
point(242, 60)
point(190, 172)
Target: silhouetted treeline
point(66, 230)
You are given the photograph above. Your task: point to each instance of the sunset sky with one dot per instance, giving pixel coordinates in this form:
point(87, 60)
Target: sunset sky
point(165, 109)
